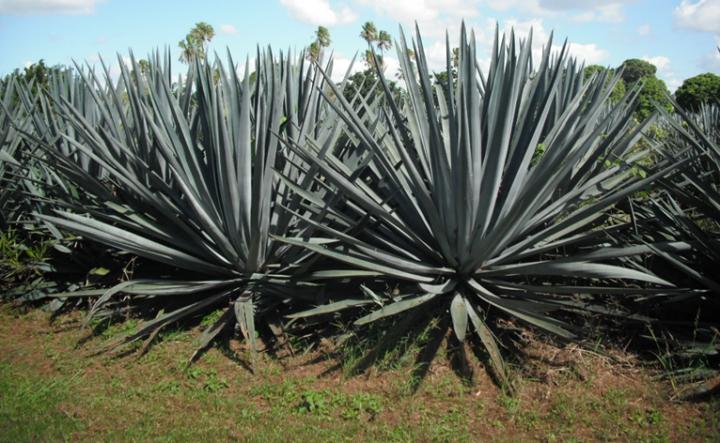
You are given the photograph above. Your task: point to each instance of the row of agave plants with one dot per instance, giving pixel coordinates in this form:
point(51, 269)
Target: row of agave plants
point(519, 196)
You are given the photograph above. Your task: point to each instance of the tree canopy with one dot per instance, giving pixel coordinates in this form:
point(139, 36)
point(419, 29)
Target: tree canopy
point(618, 90)
point(634, 69)
point(36, 75)
point(694, 91)
point(654, 92)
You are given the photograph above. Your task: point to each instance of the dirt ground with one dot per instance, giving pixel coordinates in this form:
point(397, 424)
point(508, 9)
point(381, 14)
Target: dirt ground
point(53, 388)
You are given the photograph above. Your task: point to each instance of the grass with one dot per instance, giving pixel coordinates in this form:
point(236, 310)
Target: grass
point(52, 390)
point(31, 407)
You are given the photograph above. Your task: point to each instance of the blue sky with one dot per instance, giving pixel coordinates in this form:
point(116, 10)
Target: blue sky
point(678, 36)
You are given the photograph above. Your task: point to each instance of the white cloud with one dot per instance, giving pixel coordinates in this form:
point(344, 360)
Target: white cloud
point(700, 15)
point(392, 67)
point(664, 71)
point(433, 17)
point(47, 7)
point(319, 12)
point(240, 66)
point(590, 53)
point(672, 83)
point(409, 11)
point(580, 10)
point(528, 7)
point(579, 4)
point(436, 55)
point(522, 30)
point(403, 10)
point(711, 61)
point(341, 65)
point(435, 49)
point(661, 62)
point(644, 29)
point(114, 68)
point(228, 29)
point(611, 12)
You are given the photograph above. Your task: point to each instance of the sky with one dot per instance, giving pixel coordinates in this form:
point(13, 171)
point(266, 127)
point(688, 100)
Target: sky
point(680, 37)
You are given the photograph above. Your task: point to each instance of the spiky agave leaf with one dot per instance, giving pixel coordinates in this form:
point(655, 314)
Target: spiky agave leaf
point(20, 171)
point(688, 210)
point(189, 181)
point(689, 207)
point(11, 175)
point(452, 199)
point(24, 179)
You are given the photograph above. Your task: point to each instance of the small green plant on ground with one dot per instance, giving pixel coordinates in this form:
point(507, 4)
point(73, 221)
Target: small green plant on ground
point(20, 258)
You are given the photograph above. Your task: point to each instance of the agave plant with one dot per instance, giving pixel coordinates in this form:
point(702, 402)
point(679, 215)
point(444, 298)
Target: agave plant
point(687, 209)
point(454, 203)
point(10, 143)
point(188, 181)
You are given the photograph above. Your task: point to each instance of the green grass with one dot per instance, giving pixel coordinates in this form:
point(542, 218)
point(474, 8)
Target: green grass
point(31, 407)
point(51, 391)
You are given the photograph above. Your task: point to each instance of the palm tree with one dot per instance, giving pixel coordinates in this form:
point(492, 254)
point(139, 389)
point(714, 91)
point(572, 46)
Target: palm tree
point(369, 56)
point(195, 43)
point(144, 66)
point(187, 49)
point(322, 36)
point(384, 42)
point(313, 53)
point(322, 40)
point(369, 32)
point(203, 33)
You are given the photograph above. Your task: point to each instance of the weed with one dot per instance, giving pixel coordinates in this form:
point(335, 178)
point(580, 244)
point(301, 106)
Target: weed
point(21, 260)
point(117, 329)
point(510, 403)
point(168, 386)
point(314, 402)
point(211, 318)
point(360, 404)
point(208, 379)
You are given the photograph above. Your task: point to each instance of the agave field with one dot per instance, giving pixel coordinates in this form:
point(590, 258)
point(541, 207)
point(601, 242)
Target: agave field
point(517, 197)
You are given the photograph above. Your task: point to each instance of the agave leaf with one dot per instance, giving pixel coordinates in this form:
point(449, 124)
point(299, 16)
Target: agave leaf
point(184, 174)
point(212, 331)
point(108, 294)
point(490, 343)
point(394, 308)
point(330, 308)
point(459, 314)
point(245, 316)
point(361, 263)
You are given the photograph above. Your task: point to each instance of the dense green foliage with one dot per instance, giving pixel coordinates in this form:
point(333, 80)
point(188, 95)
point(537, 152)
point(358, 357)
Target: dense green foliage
point(618, 90)
point(654, 94)
point(695, 91)
point(635, 69)
point(524, 195)
point(637, 73)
